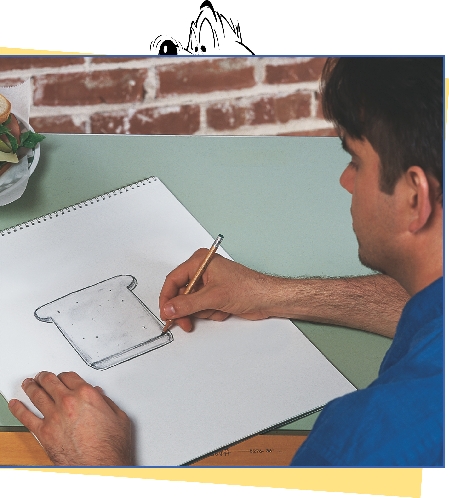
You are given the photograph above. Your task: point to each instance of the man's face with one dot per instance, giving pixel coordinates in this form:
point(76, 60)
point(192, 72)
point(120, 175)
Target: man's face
point(375, 214)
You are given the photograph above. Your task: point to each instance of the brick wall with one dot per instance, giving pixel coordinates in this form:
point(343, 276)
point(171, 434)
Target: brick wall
point(158, 95)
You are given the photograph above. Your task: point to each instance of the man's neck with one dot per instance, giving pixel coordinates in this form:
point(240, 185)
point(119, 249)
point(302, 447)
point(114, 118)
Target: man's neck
point(423, 263)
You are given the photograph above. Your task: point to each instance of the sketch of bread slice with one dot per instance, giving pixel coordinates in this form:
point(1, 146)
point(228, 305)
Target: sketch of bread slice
point(106, 323)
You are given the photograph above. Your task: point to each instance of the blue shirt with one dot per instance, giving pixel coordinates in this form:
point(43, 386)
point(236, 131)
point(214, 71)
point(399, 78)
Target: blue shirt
point(398, 420)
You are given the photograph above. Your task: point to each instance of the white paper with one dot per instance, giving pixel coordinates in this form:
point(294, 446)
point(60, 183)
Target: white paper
point(20, 99)
point(193, 395)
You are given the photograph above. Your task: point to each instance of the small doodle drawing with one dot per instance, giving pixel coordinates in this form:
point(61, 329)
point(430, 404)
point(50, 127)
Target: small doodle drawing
point(210, 34)
point(106, 323)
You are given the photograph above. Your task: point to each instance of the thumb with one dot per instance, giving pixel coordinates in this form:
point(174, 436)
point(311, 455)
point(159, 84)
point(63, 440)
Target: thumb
point(185, 305)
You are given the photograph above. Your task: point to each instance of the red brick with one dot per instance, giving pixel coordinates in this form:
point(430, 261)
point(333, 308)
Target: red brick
point(11, 81)
point(319, 111)
point(280, 109)
point(178, 120)
point(108, 123)
point(205, 76)
point(56, 124)
point(263, 111)
point(225, 116)
point(97, 87)
point(109, 59)
point(295, 72)
point(8, 63)
point(294, 106)
point(322, 132)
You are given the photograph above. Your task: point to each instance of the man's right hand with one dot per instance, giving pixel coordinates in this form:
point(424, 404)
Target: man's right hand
point(227, 288)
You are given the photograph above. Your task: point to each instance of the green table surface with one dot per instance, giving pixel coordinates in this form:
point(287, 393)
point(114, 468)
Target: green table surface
point(277, 200)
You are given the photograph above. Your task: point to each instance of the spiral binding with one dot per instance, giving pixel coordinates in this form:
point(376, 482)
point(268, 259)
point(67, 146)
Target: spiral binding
point(74, 207)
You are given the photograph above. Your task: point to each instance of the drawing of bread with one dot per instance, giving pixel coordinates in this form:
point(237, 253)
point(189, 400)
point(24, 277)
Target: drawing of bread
point(106, 323)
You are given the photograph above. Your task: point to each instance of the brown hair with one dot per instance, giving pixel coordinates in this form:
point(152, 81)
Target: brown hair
point(396, 103)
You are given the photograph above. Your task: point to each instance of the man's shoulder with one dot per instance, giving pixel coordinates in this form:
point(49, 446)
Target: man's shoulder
point(396, 420)
point(418, 344)
point(399, 418)
point(424, 307)
point(385, 424)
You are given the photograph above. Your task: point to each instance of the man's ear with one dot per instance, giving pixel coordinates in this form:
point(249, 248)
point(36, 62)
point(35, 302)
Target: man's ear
point(419, 198)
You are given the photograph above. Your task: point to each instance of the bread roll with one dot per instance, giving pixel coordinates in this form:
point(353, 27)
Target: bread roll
point(5, 108)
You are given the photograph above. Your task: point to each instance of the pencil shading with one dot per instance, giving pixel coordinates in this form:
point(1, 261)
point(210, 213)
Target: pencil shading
point(106, 323)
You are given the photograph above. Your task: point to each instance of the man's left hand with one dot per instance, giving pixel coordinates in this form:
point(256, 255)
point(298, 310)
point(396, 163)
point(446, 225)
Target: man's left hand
point(80, 425)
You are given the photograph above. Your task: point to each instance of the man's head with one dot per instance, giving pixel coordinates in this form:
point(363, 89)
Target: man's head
point(389, 115)
point(396, 103)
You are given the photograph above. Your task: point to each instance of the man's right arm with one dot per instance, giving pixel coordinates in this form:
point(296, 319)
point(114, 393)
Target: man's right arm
point(373, 303)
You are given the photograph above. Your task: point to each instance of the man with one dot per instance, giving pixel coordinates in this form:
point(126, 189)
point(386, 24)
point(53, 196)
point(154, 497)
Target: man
point(388, 113)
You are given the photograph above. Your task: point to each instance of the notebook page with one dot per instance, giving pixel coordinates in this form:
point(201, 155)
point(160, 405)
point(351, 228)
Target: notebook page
point(187, 397)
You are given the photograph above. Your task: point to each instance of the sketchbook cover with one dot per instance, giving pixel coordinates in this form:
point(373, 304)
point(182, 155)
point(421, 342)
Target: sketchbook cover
point(190, 394)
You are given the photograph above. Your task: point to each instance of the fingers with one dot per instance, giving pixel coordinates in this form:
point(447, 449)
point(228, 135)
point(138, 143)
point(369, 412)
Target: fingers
point(71, 380)
point(58, 384)
point(185, 323)
point(38, 395)
point(24, 416)
point(180, 277)
point(80, 424)
point(184, 306)
point(217, 316)
point(47, 389)
point(215, 298)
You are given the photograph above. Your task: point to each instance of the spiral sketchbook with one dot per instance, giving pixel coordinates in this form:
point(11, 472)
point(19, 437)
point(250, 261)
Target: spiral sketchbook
point(80, 292)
